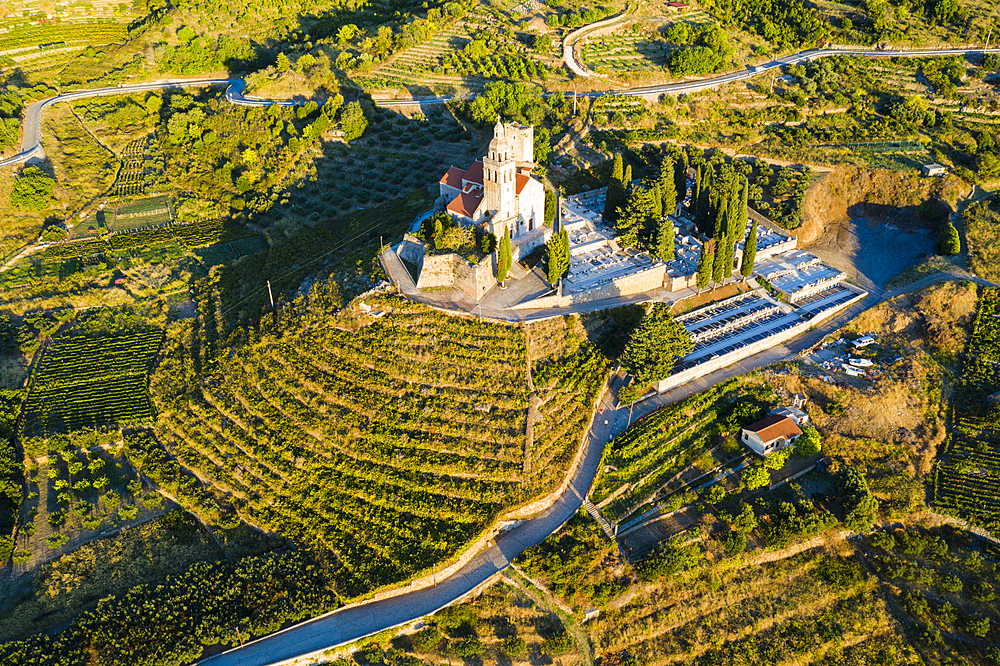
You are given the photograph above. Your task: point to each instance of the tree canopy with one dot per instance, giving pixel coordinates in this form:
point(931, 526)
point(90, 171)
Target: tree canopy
point(655, 345)
point(32, 190)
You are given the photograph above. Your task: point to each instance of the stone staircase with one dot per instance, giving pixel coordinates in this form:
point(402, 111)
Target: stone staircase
point(596, 515)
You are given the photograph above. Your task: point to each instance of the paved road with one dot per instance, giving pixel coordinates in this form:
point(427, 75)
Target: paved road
point(31, 136)
point(714, 82)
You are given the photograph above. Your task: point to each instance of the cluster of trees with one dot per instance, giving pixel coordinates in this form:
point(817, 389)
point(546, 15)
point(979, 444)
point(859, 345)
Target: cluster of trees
point(707, 51)
point(237, 156)
point(449, 236)
point(719, 203)
point(783, 23)
point(199, 54)
point(575, 19)
point(859, 505)
point(11, 471)
point(640, 213)
point(986, 156)
point(11, 109)
point(32, 189)
point(171, 624)
point(557, 256)
point(656, 343)
point(884, 13)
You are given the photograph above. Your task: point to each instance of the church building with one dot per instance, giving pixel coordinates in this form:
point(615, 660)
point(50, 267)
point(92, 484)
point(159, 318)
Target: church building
point(499, 192)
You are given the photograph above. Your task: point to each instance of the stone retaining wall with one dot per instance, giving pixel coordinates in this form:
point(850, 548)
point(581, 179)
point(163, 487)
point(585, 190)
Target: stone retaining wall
point(451, 270)
point(627, 285)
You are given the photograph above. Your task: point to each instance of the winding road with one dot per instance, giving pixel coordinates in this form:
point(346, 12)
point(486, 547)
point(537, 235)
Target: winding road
point(31, 137)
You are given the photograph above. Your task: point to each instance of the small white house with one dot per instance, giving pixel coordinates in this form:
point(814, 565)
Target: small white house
point(934, 169)
point(794, 413)
point(770, 434)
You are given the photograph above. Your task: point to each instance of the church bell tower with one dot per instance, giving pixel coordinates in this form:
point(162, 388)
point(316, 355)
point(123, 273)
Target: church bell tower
point(499, 169)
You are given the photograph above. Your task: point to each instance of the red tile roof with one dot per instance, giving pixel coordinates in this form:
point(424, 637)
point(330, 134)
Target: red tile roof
point(774, 427)
point(475, 172)
point(520, 181)
point(453, 177)
point(466, 204)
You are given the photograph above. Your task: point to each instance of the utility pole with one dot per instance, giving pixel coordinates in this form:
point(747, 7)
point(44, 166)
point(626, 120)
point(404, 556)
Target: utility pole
point(988, 35)
point(269, 294)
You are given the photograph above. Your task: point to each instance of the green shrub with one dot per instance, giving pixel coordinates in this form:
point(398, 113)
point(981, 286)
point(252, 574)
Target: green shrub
point(32, 190)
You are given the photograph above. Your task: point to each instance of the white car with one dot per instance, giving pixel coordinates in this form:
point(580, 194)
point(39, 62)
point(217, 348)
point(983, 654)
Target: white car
point(863, 342)
point(852, 371)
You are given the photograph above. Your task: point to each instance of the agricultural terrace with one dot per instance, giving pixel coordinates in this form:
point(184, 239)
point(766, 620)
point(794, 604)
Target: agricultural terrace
point(641, 462)
point(129, 183)
point(33, 46)
point(967, 476)
point(385, 444)
point(86, 381)
point(799, 609)
point(568, 374)
point(80, 487)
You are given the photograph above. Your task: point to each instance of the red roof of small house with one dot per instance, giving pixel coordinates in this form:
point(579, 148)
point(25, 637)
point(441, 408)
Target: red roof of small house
point(466, 204)
point(453, 177)
point(775, 427)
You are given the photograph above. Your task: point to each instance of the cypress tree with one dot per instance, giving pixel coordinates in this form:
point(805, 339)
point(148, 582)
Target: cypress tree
point(668, 189)
point(656, 205)
point(564, 244)
point(616, 195)
point(665, 239)
point(704, 208)
point(503, 258)
point(741, 216)
point(627, 181)
point(696, 192)
point(680, 175)
point(705, 260)
point(749, 252)
point(950, 243)
point(558, 257)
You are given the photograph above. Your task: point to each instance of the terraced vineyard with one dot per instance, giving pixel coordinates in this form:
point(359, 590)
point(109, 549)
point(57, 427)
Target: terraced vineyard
point(967, 477)
point(21, 35)
point(642, 459)
point(566, 385)
point(196, 234)
point(392, 446)
point(129, 182)
point(624, 53)
point(85, 382)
